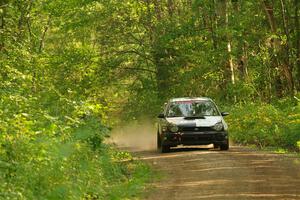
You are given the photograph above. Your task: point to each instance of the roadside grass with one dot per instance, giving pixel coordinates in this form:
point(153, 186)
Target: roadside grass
point(155, 176)
point(143, 175)
point(274, 150)
point(138, 176)
point(278, 150)
point(134, 187)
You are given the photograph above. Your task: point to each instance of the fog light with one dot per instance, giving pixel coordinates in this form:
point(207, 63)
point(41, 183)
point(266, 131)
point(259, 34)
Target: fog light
point(218, 126)
point(174, 128)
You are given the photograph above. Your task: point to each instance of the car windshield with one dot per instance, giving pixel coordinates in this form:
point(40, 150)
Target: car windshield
point(192, 109)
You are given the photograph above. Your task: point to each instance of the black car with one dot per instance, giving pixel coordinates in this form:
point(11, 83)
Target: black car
point(191, 121)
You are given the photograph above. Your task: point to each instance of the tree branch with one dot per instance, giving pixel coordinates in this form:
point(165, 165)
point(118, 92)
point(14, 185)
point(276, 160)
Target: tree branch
point(42, 40)
point(139, 69)
point(136, 52)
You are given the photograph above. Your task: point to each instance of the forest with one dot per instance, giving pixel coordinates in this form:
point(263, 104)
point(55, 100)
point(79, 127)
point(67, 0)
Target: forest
point(72, 70)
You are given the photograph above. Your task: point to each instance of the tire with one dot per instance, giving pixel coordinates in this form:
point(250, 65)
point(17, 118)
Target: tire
point(165, 148)
point(158, 143)
point(224, 147)
point(216, 146)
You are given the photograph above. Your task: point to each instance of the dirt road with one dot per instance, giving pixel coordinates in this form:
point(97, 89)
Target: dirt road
point(239, 173)
point(199, 173)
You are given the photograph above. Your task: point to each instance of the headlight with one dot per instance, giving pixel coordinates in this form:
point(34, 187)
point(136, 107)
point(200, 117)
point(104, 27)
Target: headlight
point(218, 126)
point(173, 128)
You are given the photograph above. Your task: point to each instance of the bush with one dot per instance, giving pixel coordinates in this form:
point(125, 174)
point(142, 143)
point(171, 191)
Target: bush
point(65, 168)
point(62, 157)
point(265, 125)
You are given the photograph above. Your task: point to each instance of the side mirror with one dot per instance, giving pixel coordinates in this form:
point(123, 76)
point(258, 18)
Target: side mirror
point(224, 113)
point(161, 115)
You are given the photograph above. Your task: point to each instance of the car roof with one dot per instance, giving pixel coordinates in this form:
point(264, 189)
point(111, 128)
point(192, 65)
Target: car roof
point(189, 99)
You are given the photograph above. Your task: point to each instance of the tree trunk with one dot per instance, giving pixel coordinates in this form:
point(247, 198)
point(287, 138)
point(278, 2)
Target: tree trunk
point(297, 40)
point(230, 61)
point(212, 31)
point(280, 54)
point(158, 10)
point(287, 67)
point(171, 7)
point(3, 5)
point(2, 31)
point(42, 40)
point(270, 15)
point(243, 63)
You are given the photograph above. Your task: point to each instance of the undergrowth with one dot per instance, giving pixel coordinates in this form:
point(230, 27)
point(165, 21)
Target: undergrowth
point(71, 166)
point(266, 125)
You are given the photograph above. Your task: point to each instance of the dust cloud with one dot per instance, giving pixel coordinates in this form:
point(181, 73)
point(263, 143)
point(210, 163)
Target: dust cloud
point(135, 135)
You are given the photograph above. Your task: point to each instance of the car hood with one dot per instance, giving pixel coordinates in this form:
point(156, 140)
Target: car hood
point(207, 122)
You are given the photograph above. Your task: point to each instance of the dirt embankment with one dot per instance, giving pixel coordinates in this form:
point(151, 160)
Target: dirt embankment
point(203, 173)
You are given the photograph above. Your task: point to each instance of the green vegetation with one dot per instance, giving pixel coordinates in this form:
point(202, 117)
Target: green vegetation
point(52, 169)
point(266, 125)
point(54, 105)
point(71, 70)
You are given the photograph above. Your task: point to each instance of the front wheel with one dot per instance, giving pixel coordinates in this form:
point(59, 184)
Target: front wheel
point(224, 147)
point(158, 142)
point(165, 148)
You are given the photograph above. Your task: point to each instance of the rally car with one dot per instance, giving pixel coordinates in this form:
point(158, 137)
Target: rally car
point(191, 121)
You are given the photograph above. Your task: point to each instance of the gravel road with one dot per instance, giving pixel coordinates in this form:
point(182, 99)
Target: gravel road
point(240, 173)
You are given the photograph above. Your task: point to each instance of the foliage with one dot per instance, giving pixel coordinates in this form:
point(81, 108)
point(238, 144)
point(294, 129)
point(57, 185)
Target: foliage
point(54, 105)
point(56, 168)
point(69, 70)
point(265, 125)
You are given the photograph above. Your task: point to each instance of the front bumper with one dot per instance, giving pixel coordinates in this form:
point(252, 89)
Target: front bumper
point(195, 138)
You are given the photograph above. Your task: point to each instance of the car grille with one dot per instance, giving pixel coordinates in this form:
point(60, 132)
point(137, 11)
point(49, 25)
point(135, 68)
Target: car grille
point(196, 129)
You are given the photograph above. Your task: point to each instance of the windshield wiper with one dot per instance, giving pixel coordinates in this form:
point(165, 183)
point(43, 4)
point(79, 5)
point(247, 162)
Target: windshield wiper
point(195, 117)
